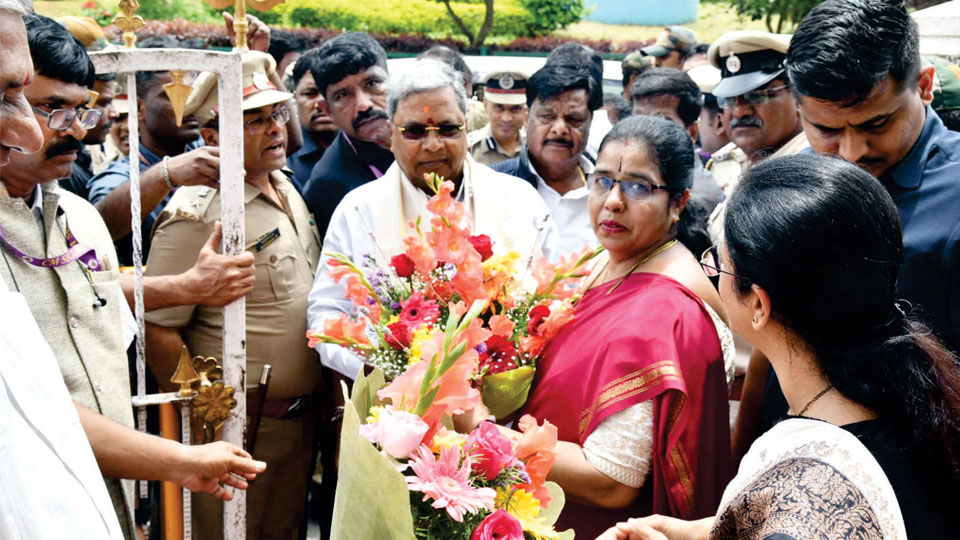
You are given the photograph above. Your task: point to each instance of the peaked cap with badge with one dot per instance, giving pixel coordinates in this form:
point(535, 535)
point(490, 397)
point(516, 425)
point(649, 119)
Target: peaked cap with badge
point(506, 87)
point(258, 89)
point(747, 60)
point(673, 38)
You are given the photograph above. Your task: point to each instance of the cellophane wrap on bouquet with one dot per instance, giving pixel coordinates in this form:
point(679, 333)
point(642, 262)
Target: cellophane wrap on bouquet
point(404, 474)
point(401, 309)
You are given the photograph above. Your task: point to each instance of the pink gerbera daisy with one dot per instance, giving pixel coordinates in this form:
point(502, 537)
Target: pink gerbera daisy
point(447, 482)
point(417, 310)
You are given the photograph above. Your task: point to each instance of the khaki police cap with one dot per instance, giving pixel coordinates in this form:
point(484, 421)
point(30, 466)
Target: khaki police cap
point(258, 90)
point(747, 60)
point(87, 32)
point(506, 87)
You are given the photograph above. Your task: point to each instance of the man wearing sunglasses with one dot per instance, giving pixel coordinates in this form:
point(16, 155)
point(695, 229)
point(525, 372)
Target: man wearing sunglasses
point(286, 247)
point(759, 111)
point(427, 107)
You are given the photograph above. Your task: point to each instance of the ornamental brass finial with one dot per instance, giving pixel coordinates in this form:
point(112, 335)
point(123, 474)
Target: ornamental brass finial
point(185, 375)
point(210, 409)
point(178, 94)
point(211, 406)
point(129, 21)
point(240, 24)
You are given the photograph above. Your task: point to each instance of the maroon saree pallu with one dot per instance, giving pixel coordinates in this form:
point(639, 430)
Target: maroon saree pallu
point(651, 339)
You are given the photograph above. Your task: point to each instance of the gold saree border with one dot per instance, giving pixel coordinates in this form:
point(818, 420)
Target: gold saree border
point(629, 385)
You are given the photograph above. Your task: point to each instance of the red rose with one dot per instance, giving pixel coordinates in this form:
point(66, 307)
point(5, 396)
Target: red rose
point(483, 245)
point(501, 355)
point(399, 335)
point(403, 265)
point(535, 319)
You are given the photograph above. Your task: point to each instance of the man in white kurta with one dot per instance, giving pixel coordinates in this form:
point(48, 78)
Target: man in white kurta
point(51, 486)
point(373, 219)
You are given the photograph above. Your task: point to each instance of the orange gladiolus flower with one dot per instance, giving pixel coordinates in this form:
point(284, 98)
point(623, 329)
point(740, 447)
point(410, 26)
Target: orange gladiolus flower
point(536, 447)
point(421, 253)
point(502, 326)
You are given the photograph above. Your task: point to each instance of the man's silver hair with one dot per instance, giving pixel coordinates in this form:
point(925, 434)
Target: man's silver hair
point(20, 7)
point(421, 76)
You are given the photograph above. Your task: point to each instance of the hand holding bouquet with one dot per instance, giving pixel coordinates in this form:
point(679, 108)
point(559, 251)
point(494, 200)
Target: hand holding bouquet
point(401, 310)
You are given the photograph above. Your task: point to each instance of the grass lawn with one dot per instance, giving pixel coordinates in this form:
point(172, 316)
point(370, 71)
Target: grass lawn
point(716, 18)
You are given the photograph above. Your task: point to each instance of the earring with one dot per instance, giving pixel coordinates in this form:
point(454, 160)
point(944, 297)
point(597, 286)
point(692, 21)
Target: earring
point(754, 320)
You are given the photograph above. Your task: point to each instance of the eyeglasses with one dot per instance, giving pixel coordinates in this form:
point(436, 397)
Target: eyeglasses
point(757, 97)
point(635, 190)
point(256, 126)
point(710, 262)
point(61, 119)
point(417, 132)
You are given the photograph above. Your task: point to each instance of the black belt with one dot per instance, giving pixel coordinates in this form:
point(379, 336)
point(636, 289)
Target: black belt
point(282, 409)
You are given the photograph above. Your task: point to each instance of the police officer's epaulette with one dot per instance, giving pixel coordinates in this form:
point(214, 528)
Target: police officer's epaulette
point(491, 143)
point(288, 172)
point(195, 202)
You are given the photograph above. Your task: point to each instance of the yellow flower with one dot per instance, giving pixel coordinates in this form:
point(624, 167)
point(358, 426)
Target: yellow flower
point(522, 505)
point(501, 264)
point(422, 335)
point(446, 439)
point(374, 414)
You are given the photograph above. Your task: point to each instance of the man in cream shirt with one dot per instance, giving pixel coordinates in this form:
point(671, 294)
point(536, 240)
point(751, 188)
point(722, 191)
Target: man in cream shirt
point(427, 107)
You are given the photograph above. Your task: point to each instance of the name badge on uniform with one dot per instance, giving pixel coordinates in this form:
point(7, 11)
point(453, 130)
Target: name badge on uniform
point(267, 238)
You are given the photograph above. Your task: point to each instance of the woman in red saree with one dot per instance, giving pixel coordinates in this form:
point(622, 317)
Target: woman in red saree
point(636, 383)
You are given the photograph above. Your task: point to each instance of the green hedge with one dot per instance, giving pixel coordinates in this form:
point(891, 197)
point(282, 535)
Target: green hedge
point(403, 16)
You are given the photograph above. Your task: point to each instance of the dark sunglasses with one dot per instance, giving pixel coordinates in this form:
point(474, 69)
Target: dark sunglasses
point(417, 132)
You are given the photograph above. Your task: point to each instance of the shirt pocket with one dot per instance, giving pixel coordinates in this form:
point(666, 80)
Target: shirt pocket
point(275, 271)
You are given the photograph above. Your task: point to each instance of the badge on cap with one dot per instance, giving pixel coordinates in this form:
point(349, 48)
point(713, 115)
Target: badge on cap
point(506, 81)
point(261, 81)
point(733, 63)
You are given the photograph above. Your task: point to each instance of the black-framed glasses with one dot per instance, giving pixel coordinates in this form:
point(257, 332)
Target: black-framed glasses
point(710, 262)
point(757, 97)
point(61, 119)
point(256, 126)
point(635, 190)
point(418, 132)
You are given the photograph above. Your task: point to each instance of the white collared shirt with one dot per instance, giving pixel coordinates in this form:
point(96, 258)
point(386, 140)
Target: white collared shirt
point(570, 212)
point(349, 233)
point(50, 484)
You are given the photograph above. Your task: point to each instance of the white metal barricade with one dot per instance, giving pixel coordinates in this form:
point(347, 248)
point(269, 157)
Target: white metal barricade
point(228, 67)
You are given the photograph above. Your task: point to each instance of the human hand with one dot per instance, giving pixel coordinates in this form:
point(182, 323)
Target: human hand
point(658, 527)
point(216, 279)
point(258, 33)
point(211, 467)
point(198, 167)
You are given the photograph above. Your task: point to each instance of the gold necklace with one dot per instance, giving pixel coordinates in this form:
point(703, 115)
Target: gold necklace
point(646, 258)
point(815, 398)
point(583, 178)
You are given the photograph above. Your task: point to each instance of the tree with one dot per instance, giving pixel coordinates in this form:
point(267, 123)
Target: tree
point(547, 16)
point(475, 39)
point(779, 15)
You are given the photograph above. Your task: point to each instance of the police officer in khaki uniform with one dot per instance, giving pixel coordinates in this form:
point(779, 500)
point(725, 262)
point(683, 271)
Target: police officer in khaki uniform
point(759, 112)
point(286, 247)
point(505, 103)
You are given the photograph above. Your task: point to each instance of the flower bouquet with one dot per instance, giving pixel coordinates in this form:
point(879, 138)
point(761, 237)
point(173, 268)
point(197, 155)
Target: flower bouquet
point(405, 474)
point(401, 308)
